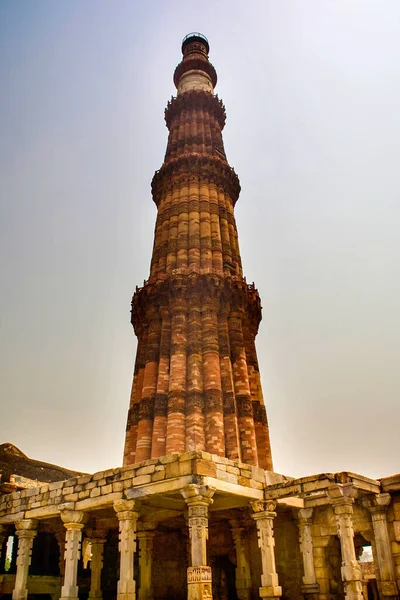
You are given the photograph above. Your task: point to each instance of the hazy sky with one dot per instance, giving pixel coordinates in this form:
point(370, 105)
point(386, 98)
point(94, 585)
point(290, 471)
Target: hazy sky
point(312, 92)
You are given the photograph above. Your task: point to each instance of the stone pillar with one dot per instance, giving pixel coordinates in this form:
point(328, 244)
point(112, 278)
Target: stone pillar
point(26, 531)
point(74, 522)
point(127, 517)
point(310, 586)
point(198, 498)
point(264, 514)
point(243, 574)
point(377, 506)
point(97, 539)
point(342, 499)
point(146, 537)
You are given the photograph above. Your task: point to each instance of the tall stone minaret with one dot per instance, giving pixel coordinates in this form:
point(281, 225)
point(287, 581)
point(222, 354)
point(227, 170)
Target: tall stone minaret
point(196, 383)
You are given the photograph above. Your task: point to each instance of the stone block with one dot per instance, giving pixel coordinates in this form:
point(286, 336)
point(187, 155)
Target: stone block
point(141, 480)
point(258, 474)
point(84, 494)
point(245, 481)
point(245, 473)
point(84, 479)
point(224, 476)
point(98, 476)
point(127, 473)
point(204, 467)
point(118, 486)
point(56, 485)
point(164, 460)
point(177, 469)
point(145, 470)
point(106, 489)
point(158, 476)
point(95, 492)
point(256, 485)
point(71, 497)
point(68, 490)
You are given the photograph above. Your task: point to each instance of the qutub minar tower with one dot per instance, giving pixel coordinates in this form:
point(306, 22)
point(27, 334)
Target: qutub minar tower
point(196, 512)
point(196, 383)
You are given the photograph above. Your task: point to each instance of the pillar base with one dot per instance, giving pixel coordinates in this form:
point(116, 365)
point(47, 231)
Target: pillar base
point(126, 596)
point(270, 591)
point(199, 583)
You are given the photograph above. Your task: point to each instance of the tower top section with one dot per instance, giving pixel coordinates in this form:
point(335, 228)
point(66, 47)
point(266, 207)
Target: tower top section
point(195, 72)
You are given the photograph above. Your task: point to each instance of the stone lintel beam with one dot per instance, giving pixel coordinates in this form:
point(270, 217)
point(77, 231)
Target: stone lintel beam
point(170, 486)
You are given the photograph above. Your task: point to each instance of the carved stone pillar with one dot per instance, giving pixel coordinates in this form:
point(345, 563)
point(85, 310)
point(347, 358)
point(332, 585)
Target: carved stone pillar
point(264, 514)
point(26, 531)
point(127, 518)
point(310, 586)
point(198, 498)
point(146, 537)
point(97, 539)
point(243, 574)
point(342, 499)
point(74, 522)
point(377, 506)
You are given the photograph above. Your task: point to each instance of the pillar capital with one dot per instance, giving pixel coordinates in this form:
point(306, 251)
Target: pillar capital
point(198, 495)
point(304, 516)
point(377, 504)
point(27, 528)
point(73, 519)
point(263, 509)
point(342, 497)
point(127, 510)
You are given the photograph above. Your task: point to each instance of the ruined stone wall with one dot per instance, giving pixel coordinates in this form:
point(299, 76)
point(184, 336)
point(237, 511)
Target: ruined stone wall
point(289, 564)
point(170, 564)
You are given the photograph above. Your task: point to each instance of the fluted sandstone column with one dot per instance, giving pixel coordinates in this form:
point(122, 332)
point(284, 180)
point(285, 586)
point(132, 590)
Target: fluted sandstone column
point(177, 379)
point(159, 435)
point(195, 432)
point(214, 419)
point(242, 390)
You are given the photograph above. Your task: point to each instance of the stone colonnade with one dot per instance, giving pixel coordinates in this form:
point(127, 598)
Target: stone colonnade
point(198, 499)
